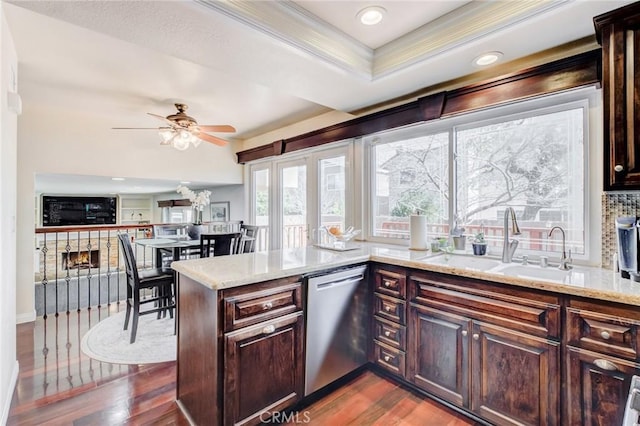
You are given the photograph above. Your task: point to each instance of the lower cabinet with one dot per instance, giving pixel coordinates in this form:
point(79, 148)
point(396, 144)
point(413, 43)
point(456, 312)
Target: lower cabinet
point(491, 351)
point(438, 351)
point(504, 376)
point(264, 369)
point(599, 385)
point(515, 377)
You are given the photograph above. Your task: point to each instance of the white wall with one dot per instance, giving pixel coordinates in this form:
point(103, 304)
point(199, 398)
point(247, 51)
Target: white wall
point(8, 129)
point(232, 193)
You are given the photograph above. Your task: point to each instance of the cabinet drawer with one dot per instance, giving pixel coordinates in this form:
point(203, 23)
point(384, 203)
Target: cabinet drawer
point(512, 308)
point(389, 358)
point(390, 333)
point(254, 305)
point(389, 308)
point(609, 334)
point(391, 282)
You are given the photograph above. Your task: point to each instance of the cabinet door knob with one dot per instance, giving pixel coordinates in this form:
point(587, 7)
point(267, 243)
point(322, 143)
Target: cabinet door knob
point(387, 333)
point(464, 333)
point(387, 308)
point(606, 365)
point(269, 329)
point(387, 358)
point(605, 335)
point(476, 336)
point(618, 168)
point(266, 306)
point(387, 283)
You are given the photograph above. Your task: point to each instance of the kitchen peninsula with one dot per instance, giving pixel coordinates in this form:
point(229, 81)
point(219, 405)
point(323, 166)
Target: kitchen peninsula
point(505, 343)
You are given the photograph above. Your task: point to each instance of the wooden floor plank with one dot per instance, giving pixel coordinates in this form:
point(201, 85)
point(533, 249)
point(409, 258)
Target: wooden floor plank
point(59, 385)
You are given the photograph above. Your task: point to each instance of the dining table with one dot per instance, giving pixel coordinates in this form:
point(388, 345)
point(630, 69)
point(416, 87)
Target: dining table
point(178, 246)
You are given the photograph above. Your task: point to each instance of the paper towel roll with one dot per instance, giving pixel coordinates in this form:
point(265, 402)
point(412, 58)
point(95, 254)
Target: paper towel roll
point(418, 232)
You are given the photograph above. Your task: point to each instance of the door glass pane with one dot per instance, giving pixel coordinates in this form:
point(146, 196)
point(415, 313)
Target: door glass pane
point(411, 174)
point(293, 181)
point(261, 206)
point(332, 192)
point(533, 164)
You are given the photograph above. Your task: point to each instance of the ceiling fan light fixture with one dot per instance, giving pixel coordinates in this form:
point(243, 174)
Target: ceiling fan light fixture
point(167, 134)
point(181, 144)
point(371, 15)
point(487, 58)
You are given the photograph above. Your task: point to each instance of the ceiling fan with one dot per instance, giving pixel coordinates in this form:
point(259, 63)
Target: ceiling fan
point(180, 130)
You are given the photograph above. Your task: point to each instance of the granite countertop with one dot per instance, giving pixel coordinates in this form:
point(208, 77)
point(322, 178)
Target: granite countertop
point(231, 271)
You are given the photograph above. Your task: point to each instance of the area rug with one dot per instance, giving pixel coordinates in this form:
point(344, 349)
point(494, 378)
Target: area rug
point(108, 342)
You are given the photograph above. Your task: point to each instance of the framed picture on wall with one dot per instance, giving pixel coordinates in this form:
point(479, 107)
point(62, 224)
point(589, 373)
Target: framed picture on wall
point(220, 211)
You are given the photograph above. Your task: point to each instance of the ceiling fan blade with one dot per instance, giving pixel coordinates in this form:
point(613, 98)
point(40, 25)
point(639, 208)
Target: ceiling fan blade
point(216, 128)
point(134, 128)
point(163, 119)
point(211, 139)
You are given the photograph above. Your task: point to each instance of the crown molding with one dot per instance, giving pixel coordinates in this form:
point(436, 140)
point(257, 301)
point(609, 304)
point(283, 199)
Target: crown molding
point(297, 27)
point(463, 25)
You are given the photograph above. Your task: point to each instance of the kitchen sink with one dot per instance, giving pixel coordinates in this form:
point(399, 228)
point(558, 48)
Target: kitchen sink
point(465, 262)
point(534, 272)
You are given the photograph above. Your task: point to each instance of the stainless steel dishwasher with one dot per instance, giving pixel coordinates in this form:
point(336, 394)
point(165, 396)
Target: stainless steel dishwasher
point(337, 312)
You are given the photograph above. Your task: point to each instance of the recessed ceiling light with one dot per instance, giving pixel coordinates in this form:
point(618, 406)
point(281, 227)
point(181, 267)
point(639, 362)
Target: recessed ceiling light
point(487, 58)
point(371, 15)
point(117, 178)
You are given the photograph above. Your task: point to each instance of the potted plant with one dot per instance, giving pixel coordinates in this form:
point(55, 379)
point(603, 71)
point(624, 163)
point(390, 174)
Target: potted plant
point(479, 244)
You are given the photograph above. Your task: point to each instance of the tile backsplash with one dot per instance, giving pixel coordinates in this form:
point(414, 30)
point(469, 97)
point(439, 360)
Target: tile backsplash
point(613, 206)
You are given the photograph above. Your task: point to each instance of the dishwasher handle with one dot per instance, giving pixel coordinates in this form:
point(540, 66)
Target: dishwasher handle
point(331, 284)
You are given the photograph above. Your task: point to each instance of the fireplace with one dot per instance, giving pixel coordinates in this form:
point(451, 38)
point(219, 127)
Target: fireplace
point(80, 259)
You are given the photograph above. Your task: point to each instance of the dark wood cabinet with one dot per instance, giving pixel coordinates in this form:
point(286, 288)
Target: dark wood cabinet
point(439, 359)
point(389, 319)
point(618, 32)
point(601, 356)
point(598, 386)
point(490, 349)
point(264, 369)
point(515, 377)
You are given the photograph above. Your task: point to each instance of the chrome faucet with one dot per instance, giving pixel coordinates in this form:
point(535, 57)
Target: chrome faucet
point(564, 260)
point(509, 247)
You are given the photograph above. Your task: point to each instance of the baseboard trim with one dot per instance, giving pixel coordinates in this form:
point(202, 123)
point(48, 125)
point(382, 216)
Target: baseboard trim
point(26, 317)
point(11, 390)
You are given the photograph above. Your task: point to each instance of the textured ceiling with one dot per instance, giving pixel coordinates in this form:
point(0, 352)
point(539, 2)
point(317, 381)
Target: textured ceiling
point(260, 66)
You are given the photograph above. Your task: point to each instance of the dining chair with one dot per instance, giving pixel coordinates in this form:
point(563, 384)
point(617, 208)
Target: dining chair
point(250, 236)
point(220, 244)
point(159, 283)
point(174, 230)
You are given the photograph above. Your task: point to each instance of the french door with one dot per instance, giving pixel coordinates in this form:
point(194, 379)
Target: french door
point(297, 196)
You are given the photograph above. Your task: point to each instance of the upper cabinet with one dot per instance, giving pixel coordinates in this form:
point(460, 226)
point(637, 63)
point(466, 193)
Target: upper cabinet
point(618, 32)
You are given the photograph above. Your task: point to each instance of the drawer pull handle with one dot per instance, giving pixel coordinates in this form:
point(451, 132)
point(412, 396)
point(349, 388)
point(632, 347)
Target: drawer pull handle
point(605, 365)
point(387, 358)
point(387, 333)
point(387, 308)
point(269, 329)
point(618, 168)
point(464, 333)
point(266, 306)
point(476, 336)
point(387, 283)
point(605, 335)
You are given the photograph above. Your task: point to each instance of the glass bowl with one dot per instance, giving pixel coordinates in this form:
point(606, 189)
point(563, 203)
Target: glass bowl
point(335, 234)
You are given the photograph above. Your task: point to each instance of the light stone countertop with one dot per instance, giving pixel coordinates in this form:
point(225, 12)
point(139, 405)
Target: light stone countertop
point(231, 271)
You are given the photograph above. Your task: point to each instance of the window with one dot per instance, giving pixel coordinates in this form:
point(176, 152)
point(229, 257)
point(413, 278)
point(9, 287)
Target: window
point(411, 175)
point(468, 169)
point(533, 163)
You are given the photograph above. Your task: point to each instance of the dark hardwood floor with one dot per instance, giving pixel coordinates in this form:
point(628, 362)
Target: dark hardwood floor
point(59, 385)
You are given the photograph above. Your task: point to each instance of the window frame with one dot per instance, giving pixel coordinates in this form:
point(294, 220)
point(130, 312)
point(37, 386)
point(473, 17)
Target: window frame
point(585, 98)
